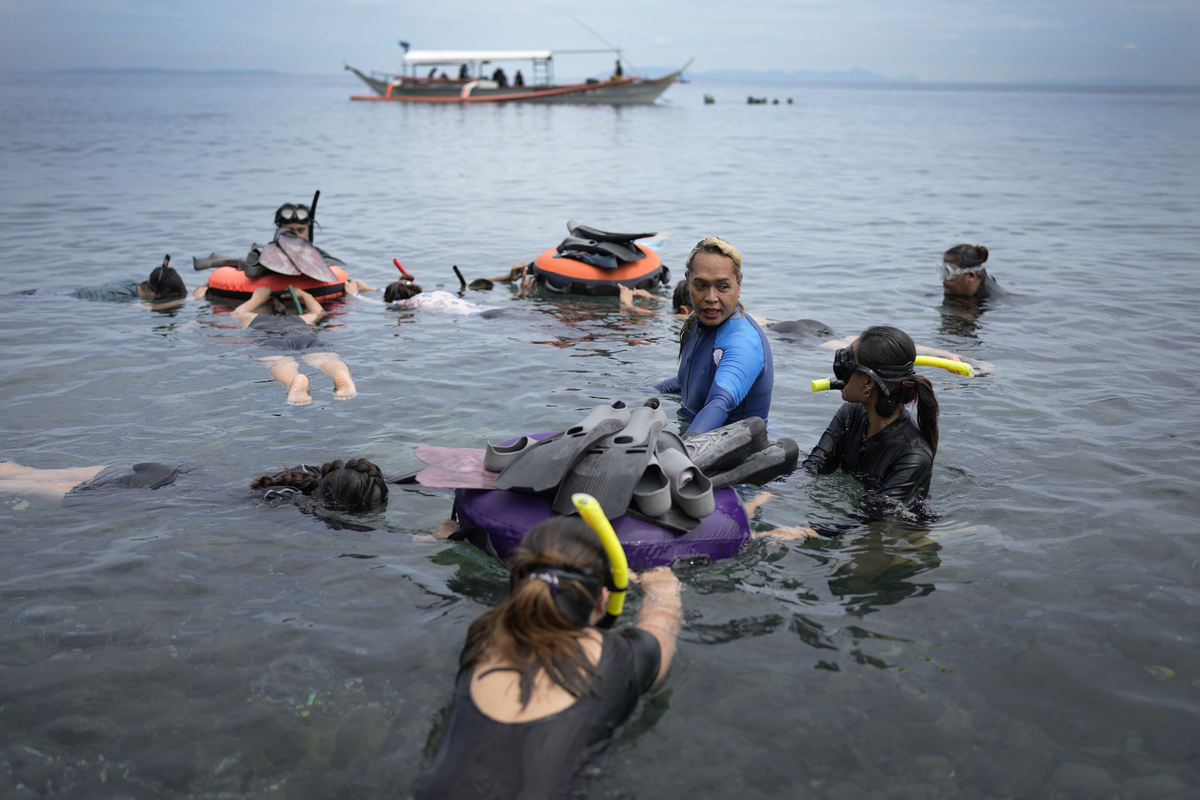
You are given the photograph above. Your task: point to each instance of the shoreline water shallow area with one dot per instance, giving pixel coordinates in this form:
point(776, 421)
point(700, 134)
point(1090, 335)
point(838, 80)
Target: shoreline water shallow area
point(1038, 639)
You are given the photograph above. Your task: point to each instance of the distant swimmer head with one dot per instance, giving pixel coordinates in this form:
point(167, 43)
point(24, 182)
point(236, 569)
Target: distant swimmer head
point(164, 282)
point(296, 217)
point(355, 484)
point(681, 299)
point(400, 290)
point(557, 588)
point(481, 284)
point(714, 276)
point(962, 269)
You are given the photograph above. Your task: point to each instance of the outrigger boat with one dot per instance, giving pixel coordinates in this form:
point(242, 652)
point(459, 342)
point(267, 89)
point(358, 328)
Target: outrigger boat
point(474, 86)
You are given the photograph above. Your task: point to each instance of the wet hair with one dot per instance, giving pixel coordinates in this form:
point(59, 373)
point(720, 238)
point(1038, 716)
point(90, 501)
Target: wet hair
point(966, 256)
point(885, 349)
point(279, 222)
point(481, 284)
point(717, 245)
point(681, 296)
point(555, 582)
point(400, 290)
point(165, 282)
point(275, 306)
point(355, 484)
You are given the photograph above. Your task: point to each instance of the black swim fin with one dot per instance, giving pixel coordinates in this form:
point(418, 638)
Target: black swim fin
point(728, 446)
point(610, 470)
point(776, 459)
point(540, 468)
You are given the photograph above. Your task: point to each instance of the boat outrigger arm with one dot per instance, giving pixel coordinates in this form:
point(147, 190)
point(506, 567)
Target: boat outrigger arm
point(477, 86)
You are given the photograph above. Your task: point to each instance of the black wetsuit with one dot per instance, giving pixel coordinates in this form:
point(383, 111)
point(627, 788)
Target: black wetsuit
point(988, 288)
point(292, 333)
point(894, 465)
point(550, 757)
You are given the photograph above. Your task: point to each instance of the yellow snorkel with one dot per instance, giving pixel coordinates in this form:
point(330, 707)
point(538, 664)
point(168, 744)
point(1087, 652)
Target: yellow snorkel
point(957, 367)
point(589, 509)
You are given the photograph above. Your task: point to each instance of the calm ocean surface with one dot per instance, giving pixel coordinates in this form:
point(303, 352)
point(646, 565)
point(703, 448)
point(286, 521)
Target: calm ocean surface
point(1039, 640)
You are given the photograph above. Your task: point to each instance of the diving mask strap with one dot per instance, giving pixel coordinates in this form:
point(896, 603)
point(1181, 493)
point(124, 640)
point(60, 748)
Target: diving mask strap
point(957, 367)
point(589, 510)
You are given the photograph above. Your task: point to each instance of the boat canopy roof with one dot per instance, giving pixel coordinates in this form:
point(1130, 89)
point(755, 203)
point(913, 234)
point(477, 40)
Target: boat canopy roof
point(428, 57)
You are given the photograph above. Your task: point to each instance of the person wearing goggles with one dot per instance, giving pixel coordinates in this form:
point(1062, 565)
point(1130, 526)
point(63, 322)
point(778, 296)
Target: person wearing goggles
point(542, 686)
point(726, 372)
point(872, 436)
point(296, 218)
point(963, 274)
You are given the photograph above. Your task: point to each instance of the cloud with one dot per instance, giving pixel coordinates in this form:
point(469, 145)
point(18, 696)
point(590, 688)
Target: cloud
point(661, 40)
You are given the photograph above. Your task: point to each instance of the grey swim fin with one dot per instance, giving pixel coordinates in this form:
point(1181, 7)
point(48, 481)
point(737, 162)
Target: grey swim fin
point(540, 468)
point(611, 469)
point(728, 446)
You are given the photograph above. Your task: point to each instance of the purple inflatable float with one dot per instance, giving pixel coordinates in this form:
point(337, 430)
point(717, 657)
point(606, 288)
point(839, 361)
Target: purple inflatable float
point(507, 515)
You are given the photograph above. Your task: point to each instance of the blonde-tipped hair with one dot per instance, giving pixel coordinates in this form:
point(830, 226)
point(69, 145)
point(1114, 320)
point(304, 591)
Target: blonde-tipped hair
point(715, 244)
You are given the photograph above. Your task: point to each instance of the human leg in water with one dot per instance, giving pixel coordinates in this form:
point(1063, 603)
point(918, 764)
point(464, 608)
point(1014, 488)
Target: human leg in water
point(331, 365)
point(286, 371)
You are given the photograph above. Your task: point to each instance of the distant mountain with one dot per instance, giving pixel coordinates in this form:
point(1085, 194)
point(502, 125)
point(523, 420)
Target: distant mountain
point(855, 75)
point(152, 71)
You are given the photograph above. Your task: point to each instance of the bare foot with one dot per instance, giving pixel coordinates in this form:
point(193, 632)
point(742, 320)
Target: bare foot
point(445, 528)
point(343, 387)
point(298, 392)
point(788, 534)
point(756, 502)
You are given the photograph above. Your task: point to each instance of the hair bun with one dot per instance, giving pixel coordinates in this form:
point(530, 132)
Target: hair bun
point(983, 254)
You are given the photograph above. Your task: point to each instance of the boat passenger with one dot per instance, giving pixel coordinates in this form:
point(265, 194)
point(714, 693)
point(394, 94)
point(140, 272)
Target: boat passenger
point(872, 436)
point(540, 687)
point(726, 371)
point(963, 274)
point(518, 79)
point(290, 334)
point(618, 73)
point(499, 77)
point(463, 73)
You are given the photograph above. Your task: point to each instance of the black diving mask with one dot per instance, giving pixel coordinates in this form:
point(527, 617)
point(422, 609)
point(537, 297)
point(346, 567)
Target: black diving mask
point(846, 364)
point(289, 213)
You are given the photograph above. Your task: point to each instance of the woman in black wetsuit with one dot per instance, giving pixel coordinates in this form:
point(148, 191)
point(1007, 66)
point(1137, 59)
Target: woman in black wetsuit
point(872, 436)
point(540, 688)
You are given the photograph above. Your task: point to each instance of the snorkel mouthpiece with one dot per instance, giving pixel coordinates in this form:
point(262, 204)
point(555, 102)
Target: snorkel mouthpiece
point(589, 510)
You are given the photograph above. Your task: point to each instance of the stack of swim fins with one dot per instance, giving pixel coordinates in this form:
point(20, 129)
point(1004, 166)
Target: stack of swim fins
point(628, 462)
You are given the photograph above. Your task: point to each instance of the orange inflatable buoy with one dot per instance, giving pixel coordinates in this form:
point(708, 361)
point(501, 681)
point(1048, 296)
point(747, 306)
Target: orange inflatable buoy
point(232, 284)
point(569, 276)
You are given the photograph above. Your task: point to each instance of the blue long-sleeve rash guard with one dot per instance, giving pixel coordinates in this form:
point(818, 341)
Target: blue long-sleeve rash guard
point(725, 374)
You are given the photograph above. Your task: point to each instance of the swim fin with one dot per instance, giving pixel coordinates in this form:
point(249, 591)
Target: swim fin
point(691, 491)
point(540, 468)
point(306, 258)
point(728, 446)
point(611, 469)
point(776, 459)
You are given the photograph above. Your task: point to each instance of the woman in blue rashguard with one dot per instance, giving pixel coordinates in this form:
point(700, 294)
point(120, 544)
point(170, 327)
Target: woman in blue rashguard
point(725, 368)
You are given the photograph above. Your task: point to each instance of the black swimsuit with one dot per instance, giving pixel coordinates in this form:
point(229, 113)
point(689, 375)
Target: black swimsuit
point(550, 757)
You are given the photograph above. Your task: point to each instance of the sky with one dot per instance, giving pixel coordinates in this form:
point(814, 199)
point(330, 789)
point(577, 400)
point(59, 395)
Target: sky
point(931, 40)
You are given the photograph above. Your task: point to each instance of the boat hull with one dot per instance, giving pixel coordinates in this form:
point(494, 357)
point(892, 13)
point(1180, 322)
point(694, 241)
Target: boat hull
point(624, 91)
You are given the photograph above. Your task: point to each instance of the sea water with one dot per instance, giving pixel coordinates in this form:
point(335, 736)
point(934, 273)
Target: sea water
point(1038, 639)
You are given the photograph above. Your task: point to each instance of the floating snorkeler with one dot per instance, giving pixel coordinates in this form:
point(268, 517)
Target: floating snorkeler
point(541, 686)
point(290, 258)
point(162, 290)
point(963, 274)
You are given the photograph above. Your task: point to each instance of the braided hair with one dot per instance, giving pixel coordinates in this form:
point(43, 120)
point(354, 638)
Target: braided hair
point(354, 484)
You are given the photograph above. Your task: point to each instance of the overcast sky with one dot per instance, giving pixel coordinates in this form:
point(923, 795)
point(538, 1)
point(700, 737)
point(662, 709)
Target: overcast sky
point(976, 40)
